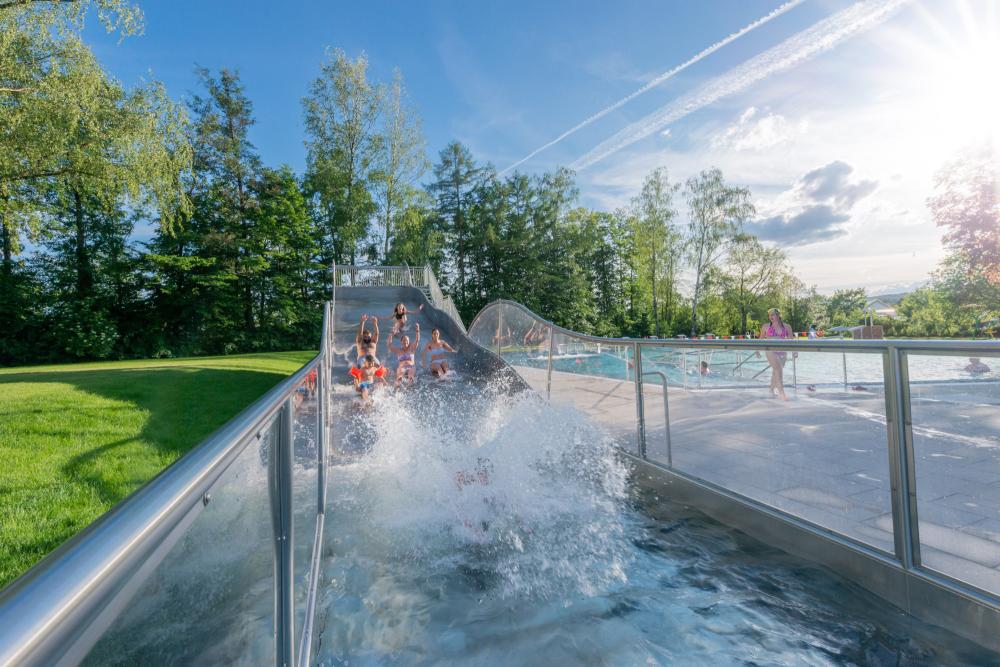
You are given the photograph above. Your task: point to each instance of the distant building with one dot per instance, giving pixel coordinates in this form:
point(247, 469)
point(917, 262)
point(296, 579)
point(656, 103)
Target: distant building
point(882, 306)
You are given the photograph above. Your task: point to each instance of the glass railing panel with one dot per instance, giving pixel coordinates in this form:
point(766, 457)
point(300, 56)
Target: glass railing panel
point(524, 344)
point(305, 410)
point(211, 599)
point(597, 378)
point(955, 411)
point(525, 340)
point(821, 455)
point(484, 330)
point(655, 413)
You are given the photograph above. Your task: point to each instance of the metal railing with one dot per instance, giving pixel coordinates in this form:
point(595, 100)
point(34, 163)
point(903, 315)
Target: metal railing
point(422, 278)
point(62, 607)
point(499, 327)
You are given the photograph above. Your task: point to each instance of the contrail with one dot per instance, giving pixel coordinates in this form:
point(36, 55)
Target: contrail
point(798, 48)
point(660, 79)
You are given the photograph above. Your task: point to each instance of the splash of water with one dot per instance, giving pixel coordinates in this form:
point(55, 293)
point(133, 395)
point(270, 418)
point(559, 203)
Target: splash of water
point(523, 497)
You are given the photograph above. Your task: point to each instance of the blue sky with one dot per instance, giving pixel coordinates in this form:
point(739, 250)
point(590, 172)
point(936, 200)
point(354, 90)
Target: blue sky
point(839, 145)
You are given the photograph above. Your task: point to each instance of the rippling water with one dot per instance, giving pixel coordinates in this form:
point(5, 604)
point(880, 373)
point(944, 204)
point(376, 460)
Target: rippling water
point(475, 528)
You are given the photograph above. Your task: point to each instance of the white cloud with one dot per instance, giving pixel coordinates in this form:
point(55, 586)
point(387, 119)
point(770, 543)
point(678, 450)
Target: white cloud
point(817, 208)
point(756, 132)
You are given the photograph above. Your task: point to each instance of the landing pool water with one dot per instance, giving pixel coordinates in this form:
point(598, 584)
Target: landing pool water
point(467, 526)
point(476, 529)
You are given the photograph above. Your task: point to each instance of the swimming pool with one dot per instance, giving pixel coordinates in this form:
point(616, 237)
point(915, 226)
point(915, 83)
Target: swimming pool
point(740, 367)
point(510, 536)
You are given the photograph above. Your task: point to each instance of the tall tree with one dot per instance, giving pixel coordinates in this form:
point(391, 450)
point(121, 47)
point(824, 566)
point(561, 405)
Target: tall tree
point(289, 295)
point(752, 269)
point(223, 120)
point(967, 204)
point(401, 160)
point(717, 213)
point(50, 86)
point(456, 177)
point(658, 243)
point(341, 116)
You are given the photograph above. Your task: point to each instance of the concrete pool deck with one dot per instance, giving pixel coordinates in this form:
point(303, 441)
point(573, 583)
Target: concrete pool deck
point(823, 456)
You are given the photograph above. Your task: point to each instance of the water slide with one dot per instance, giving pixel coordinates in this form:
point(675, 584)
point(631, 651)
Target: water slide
point(471, 361)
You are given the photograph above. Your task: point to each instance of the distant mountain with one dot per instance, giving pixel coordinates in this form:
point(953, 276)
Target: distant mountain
point(895, 291)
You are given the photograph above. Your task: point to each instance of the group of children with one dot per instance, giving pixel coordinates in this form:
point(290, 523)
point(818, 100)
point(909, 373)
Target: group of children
point(369, 371)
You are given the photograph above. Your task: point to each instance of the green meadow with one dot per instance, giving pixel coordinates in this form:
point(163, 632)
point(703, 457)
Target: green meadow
point(75, 439)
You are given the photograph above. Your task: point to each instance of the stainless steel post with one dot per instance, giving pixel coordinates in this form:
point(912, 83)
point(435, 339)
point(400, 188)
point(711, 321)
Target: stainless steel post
point(902, 473)
point(666, 416)
point(280, 488)
point(795, 373)
point(321, 415)
point(548, 379)
point(499, 330)
point(845, 371)
point(639, 408)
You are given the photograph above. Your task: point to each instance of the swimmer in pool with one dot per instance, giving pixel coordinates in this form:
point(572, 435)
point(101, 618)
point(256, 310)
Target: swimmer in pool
point(406, 354)
point(976, 366)
point(436, 349)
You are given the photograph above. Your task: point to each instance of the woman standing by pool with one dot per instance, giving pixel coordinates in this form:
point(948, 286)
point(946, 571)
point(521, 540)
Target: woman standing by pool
point(776, 328)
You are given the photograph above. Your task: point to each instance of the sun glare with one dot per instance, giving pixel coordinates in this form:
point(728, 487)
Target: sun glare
point(960, 70)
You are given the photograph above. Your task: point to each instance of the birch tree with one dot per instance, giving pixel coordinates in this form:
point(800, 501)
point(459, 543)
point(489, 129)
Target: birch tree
point(752, 270)
point(658, 243)
point(717, 212)
point(401, 160)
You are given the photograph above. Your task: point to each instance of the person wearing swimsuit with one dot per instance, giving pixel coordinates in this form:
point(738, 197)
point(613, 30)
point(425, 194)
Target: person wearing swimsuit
point(367, 376)
point(436, 348)
point(776, 328)
point(367, 344)
point(406, 356)
point(399, 313)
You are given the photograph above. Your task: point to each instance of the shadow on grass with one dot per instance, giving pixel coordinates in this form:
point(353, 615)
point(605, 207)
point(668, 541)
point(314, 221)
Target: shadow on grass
point(182, 406)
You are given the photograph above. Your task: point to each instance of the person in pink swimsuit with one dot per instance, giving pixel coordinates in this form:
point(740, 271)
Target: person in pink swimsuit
point(776, 328)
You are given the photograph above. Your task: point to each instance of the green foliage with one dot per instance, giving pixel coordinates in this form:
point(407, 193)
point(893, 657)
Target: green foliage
point(341, 113)
point(846, 307)
point(717, 212)
point(657, 243)
point(930, 312)
point(457, 177)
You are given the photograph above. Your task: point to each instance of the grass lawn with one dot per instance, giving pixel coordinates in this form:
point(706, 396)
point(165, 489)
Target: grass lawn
point(75, 439)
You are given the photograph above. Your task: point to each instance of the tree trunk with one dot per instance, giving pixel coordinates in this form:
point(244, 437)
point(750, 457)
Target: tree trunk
point(388, 223)
point(697, 289)
point(84, 279)
point(656, 310)
point(8, 251)
point(670, 295)
point(694, 309)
